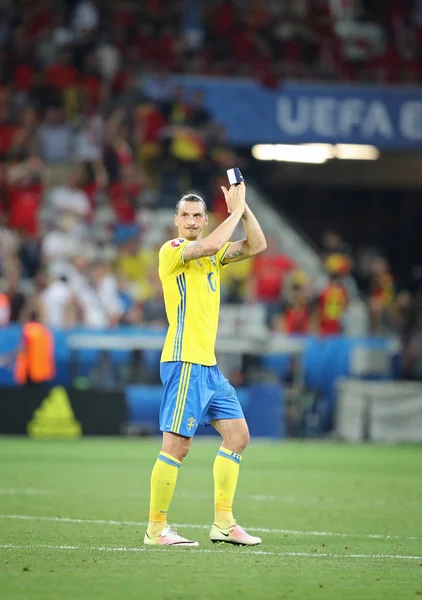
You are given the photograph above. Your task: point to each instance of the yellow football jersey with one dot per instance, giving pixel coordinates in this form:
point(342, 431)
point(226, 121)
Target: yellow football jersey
point(192, 298)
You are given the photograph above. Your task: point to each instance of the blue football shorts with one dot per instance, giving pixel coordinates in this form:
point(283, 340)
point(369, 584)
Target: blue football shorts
point(195, 395)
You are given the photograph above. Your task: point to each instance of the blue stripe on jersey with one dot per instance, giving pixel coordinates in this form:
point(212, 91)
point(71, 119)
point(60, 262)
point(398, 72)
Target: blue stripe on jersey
point(181, 311)
point(224, 254)
point(183, 314)
point(179, 318)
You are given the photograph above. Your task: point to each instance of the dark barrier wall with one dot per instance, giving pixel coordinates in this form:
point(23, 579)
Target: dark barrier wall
point(58, 412)
point(68, 413)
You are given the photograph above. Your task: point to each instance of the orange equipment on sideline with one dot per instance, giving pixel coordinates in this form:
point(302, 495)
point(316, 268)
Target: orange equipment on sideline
point(4, 310)
point(35, 359)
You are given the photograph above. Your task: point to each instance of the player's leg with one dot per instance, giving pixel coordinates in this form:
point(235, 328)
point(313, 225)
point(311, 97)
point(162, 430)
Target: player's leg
point(181, 392)
point(226, 416)
point(163, 480)
point(235, 438)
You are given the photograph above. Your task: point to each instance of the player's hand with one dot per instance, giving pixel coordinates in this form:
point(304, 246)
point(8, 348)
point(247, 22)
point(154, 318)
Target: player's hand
point(235, 197)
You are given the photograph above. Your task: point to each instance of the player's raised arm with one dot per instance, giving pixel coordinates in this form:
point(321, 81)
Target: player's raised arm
point(211, 244)
point(255, 239)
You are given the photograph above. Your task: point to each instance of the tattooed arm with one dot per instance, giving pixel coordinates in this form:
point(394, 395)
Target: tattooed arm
point(253, 244)
point(222, 234)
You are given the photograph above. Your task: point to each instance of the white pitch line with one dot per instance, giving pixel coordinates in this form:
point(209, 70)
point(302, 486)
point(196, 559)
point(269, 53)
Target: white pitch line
point(197, 495)
point(376, 536)
point(283, 498)
point(26, 492)
point(203, 550)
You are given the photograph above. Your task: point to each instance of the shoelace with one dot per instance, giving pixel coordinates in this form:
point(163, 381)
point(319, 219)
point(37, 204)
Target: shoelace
point(171, 530)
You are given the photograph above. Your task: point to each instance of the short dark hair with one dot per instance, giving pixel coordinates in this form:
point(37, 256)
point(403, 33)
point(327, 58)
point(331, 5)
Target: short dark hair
point(191, 197)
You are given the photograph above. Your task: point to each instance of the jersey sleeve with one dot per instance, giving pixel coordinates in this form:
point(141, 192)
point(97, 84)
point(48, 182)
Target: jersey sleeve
point(221, 254)
point(171, 257)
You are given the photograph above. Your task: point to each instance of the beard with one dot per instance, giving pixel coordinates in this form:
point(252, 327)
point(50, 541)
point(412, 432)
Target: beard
point(192, 234)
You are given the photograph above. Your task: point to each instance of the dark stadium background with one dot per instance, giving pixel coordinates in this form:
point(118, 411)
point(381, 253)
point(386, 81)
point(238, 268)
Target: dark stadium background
point(110, 111)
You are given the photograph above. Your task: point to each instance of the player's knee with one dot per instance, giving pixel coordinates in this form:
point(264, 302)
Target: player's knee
point(244, 439)
point(176, 446)
point(237, 440)
point(184, 448)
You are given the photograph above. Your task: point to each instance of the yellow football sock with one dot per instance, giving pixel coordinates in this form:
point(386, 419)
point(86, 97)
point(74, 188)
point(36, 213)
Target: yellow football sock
point(226, 474)
point(163, 482)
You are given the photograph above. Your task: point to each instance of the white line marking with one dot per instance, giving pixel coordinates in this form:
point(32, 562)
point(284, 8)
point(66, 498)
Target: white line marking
point(203, 550)
point(282, 498)
point(197, 495)
point(26, 492)
point(376, 536)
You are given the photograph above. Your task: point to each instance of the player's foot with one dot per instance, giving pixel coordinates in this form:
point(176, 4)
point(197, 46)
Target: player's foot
point(233, 535)
point(169, 537)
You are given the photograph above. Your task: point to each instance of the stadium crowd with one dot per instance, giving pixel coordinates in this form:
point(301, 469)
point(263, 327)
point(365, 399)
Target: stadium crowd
point(95, 151)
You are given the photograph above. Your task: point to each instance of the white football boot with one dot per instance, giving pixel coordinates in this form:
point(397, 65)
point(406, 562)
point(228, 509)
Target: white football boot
point(233, 535)
point(169, 537)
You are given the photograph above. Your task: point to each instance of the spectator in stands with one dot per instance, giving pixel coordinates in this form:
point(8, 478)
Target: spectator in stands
point(85, 17)
point(157, 87)
point(130, 96)
point(192, 25)
point(176, 110)
point(344, 262)
point(28, 166)
point(269, 270)
point(9, 244)
point(131, 309)
point(403, 314)
point(236, 281)
point(42, 95)
point(25, 198)
point(149, 123)
point(23, 140)
point(62, 75)
point(17, 299)
point(118, 151)
point(199, 116)
point(89, 142)
point(5, 310)
point(153, 309)
point(135, 265)
point(333, 299)
point(30, 254)
point(79, 273)
point(382, 293)
point(99, 303)
point(125, 194)
point(108, 58)
point(170, 187)
point(333, 243)
point(55, 138)
point(70, 200)
point(62, 34)
point(47, 49)
point(57, 304)
point(295, 316)
point(412, 352)
point(60, 246)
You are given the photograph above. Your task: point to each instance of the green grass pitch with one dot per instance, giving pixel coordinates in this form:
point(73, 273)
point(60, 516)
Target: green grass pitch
point(337, 522)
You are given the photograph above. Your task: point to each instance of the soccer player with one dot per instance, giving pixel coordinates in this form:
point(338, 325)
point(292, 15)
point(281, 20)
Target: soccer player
point(195, 391)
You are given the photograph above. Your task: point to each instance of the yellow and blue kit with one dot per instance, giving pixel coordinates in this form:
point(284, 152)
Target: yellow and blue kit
point(195, 390)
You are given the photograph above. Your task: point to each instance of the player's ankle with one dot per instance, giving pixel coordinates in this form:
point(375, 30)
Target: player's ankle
point(224, 520)
point(155, 528)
